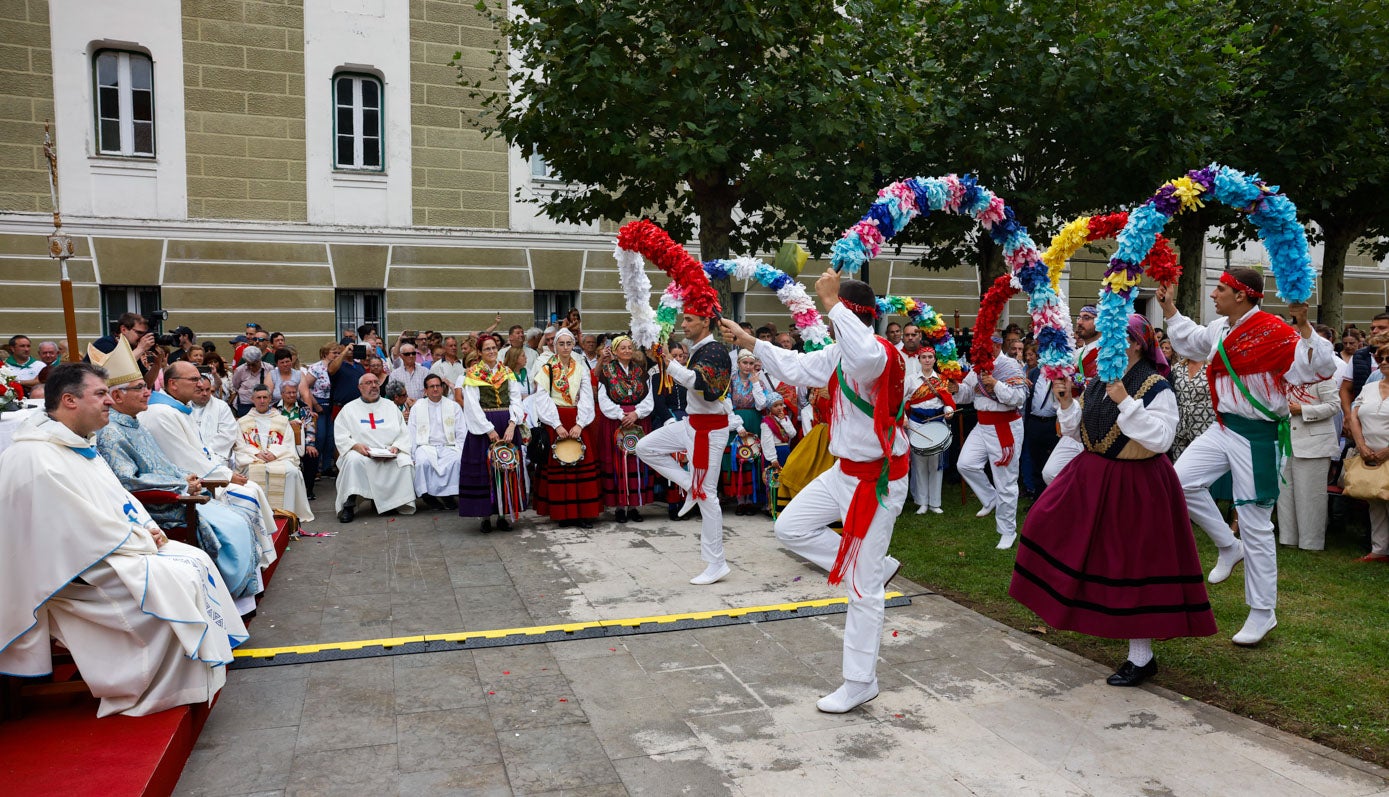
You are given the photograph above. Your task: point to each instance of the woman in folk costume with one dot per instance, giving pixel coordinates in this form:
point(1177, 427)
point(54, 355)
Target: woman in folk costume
point(569, 493)
point(266, 453)
point(625, 401)
point(742, 468)
point(778, 435)
point(811, 456)
point(493, 413)
point(867, 486)
point(1254, 357)
point(1108, 550)
point(437, 432)
point(929, 400)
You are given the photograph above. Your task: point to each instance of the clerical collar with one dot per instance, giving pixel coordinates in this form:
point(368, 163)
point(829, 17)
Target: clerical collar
point(160, 397)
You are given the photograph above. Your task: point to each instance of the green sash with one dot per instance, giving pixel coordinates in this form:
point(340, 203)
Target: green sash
point(1269, 441)
point(867, 408)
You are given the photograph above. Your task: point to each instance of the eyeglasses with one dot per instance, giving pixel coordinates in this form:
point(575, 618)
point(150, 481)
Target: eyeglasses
point(185, 378)
point(142, 332)
point(407, 354)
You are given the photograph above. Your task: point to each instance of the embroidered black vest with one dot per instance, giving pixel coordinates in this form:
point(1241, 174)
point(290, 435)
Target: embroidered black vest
point(1099, 420)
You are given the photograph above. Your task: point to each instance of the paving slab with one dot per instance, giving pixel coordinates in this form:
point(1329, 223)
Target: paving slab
point(968, 706)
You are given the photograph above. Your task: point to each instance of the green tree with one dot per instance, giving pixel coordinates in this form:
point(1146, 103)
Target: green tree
point(753, 122)
point(1318, 123)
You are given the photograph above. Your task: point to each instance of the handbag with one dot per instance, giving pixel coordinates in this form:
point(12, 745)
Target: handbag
point(1364, 482)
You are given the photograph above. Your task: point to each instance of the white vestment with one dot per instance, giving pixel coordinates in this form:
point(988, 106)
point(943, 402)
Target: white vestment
point(803, 526)
point(437, 431)
point(149, 628)
point(282, 480)
point(388, 483)
point(983, 448)
point(170, 421)
point(217, 426)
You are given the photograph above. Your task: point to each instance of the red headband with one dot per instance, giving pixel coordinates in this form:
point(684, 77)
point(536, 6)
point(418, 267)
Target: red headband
point(1228, 280)
point(859, 309)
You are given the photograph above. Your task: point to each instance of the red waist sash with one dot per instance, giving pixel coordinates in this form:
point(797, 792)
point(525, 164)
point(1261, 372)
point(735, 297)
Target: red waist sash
point(702, 423)
point(862, 507)
point(1000, 421)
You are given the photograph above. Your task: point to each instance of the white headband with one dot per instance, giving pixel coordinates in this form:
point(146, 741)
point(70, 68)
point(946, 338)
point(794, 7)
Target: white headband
point(562, 334)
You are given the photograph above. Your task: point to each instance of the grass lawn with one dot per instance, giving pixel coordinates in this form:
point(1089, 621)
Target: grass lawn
point(1322, 674)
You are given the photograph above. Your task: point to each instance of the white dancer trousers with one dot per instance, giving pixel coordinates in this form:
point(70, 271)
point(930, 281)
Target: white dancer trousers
point(804, 528)
point(1209, 456)
point(1067, 449)
point(656, 448)
point(982, 449)
point(926, 478)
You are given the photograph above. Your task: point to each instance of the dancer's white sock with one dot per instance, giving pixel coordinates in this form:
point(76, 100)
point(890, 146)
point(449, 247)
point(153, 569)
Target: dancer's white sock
point(1140, 651)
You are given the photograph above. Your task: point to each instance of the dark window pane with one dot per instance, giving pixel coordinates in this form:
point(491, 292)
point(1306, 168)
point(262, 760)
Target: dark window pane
point(141, 72)
point(143, 103)
point(345, 121)
point(106, 69)
point(144, 138)
point(344, 91)
point(370, 94)
point(345, 151)
point(370, 122)
point(110, 102)
point(110, 135)
point(371, 152)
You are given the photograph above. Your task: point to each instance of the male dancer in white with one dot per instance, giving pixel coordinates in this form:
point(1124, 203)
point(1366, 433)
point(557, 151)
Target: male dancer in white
point(866, 378)
point(1254, 357)
point(703, 432)
point(996, 441)
point(1087, 363)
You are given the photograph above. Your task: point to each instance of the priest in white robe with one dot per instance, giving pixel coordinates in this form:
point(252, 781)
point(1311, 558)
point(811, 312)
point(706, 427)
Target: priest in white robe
point(149, 621)
point(170, 419)
point(374, 461)
point(266, 453)
point(437, 432)
point(215, 421)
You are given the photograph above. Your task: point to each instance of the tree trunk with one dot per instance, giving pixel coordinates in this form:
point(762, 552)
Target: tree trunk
point(714, 202)
point(990, 265)
point(1339, 237)
point(1191, 244)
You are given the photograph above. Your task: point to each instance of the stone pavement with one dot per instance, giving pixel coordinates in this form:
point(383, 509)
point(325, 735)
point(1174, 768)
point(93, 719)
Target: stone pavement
point(968, 707)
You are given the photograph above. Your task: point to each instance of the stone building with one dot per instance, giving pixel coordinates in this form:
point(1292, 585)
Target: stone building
point(309, 165)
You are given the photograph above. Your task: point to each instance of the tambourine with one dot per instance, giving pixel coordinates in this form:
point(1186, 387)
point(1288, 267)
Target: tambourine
point(627, 440)
point(568, 452)
point(748, 450)
point(504, 455)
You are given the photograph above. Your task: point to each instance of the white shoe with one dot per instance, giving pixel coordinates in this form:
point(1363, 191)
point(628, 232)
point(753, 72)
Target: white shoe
point(892, 566)
point(921, 510)
point(984, 510)
point(848, 697)
point(1226, 562)
point(688, 505)
point(1005, 541)
point(1256, 627)
point(936, 510)
point(711, 574)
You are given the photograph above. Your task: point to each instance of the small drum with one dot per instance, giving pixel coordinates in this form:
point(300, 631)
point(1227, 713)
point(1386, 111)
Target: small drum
point(931, 437)
point(568, 452)
point(504, 456)
point(748, 449)
point(627, 440)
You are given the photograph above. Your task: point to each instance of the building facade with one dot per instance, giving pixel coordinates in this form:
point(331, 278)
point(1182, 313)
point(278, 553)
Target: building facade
point(314, 164)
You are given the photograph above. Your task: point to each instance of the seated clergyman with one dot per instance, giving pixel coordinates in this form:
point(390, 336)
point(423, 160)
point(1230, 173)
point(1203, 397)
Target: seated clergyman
point(373, 454)
point(225, 532)
point(149, 622)
point(266, 453)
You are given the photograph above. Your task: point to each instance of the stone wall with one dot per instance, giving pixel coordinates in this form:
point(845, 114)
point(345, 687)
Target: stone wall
point(460, 178)
point(244, 83)
point(26, 100)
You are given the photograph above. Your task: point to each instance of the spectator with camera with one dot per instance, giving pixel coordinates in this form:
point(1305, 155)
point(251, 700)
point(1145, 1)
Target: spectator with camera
point(135, 328)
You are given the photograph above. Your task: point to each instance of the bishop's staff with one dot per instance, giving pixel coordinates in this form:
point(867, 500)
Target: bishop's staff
point(60, 245)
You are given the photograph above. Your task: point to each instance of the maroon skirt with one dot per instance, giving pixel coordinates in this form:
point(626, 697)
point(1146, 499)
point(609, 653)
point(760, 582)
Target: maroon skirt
point(1108, 551)
point(627, 481)
point(569, 492)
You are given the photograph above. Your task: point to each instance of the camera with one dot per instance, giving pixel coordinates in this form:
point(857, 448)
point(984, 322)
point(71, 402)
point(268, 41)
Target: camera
point(172, 337)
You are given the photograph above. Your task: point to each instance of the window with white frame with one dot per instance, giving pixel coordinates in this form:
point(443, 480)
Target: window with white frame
point(124, 87)
point(357, 122)
point(540, 169)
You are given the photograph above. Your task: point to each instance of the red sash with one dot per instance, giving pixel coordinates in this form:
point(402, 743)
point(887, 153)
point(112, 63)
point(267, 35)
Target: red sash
point(1263, 346)
point(1000, 422)
point(702, 423)
point(862, 507)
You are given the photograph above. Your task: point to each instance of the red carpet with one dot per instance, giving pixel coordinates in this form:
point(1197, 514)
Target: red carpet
point(59, 747)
